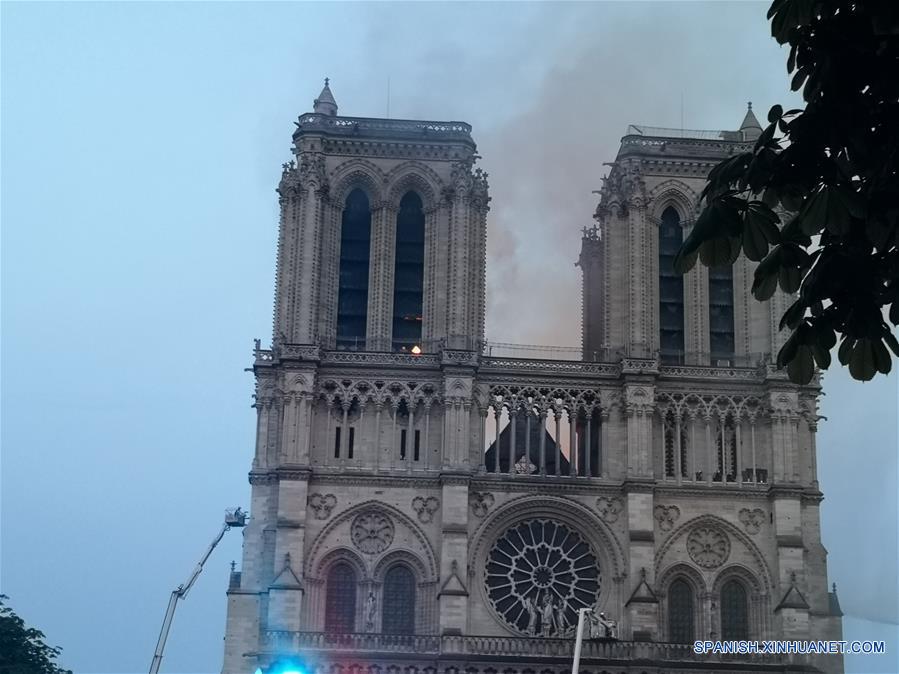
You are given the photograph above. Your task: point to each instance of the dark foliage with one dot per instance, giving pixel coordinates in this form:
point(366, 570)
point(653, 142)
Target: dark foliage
point(22, 648)
point(816, 202)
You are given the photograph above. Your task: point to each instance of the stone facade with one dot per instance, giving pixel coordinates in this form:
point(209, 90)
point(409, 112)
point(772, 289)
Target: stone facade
point(513, 491)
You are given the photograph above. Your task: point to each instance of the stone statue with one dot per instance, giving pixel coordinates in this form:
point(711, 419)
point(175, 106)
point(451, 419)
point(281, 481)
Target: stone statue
point(609, 627)
point(561, 617)
point(370, 612)
point(531, 608)
point(547, 615)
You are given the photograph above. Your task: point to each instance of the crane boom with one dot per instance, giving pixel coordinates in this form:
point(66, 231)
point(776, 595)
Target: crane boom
point(233, 518)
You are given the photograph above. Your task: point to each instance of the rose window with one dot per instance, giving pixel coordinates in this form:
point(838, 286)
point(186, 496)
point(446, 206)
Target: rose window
point(708, 547)
point(372, 532)
point(539, 573)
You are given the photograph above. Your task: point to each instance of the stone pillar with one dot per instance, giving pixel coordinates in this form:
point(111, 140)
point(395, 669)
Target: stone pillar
point(452, 596)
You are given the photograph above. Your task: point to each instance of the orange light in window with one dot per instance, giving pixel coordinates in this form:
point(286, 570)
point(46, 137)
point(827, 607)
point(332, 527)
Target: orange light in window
point(416, 350)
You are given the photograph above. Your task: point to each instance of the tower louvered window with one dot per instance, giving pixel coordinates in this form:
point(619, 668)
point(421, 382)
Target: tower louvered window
point(398, 615)
point(355, 250)
point(408, 278)
point(734, 612)
point(340, 599)
point(680, 612)
point(671, 289)
point(721, 313)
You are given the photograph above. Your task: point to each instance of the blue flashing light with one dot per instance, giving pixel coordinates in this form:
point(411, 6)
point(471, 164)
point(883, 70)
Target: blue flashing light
point(286, 667)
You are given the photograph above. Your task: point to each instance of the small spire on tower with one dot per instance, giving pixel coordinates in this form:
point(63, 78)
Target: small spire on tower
point(325, 103)
point(750, 127)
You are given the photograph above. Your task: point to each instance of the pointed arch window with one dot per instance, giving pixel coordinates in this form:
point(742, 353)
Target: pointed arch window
point(721, 313)
point(355, 251)
point(734, 611)
point(408, 277)
point(680, 612)
point(398, 616)
point(340, 599)
point(671, 289)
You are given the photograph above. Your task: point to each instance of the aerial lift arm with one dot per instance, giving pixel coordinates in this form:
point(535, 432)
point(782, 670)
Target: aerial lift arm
point(233, 518)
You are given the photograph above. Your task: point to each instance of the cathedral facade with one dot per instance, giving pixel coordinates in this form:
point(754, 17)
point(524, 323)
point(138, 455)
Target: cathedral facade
point(423, 505)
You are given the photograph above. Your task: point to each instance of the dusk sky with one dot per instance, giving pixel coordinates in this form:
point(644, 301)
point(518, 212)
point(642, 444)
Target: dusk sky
point(141, 145)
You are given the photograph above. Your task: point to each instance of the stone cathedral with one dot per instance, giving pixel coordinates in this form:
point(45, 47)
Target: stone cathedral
point(424, 504)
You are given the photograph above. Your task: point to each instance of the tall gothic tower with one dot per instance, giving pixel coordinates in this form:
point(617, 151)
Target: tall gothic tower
point(418, 505)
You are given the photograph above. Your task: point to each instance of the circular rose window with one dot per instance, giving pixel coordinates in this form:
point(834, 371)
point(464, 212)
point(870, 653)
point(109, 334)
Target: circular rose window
point(539, 573)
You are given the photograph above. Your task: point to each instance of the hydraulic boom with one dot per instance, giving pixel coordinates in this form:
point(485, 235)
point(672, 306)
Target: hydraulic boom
point(233, 518)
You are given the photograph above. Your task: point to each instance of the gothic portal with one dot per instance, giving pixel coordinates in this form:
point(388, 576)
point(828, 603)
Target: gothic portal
point(420, 504)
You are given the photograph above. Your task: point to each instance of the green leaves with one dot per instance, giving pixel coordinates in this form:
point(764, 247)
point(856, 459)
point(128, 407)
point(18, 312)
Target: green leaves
point(830, 208)
point(865, 357)
point(814, 203)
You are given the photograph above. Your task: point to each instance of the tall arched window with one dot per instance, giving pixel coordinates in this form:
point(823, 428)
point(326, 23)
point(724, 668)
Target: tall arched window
point(671, 289)
point(408, 277)
point(734, 612)
point(340, 599)
point(680, 612)
point(721, 313)
point(355, 250)
point(398, 615)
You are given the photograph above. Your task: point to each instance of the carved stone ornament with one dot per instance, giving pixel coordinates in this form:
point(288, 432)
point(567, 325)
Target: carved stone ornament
point(425, 507)
point(708, 547)
point(480, 502)
point(752, 520)
point(609, 508)
point(372, 532)
point(666, 516)
point(322, 505)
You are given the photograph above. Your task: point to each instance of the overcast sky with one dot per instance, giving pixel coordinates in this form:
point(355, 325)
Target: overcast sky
point(141, 144)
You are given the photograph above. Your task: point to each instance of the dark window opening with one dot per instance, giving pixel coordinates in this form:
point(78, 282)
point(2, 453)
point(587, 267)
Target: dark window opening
point(352, 295)
point(350, 439)
point(417, 446)
point(408, 277)
point(340, 599)
point(671, 290)
point(721, 313)
point(589, 466)
point(403, 444)
point(680, 612)
point(734, 612)
point(398, 612)
point(337, 442)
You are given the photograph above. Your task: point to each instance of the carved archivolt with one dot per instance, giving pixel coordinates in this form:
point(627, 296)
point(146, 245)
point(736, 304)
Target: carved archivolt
point(341, 525)
point(417, 177)
point(734, 537)
point(357, 173)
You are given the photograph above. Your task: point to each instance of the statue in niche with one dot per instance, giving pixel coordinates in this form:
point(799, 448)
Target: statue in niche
point(370, 612)
point(531, 608)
